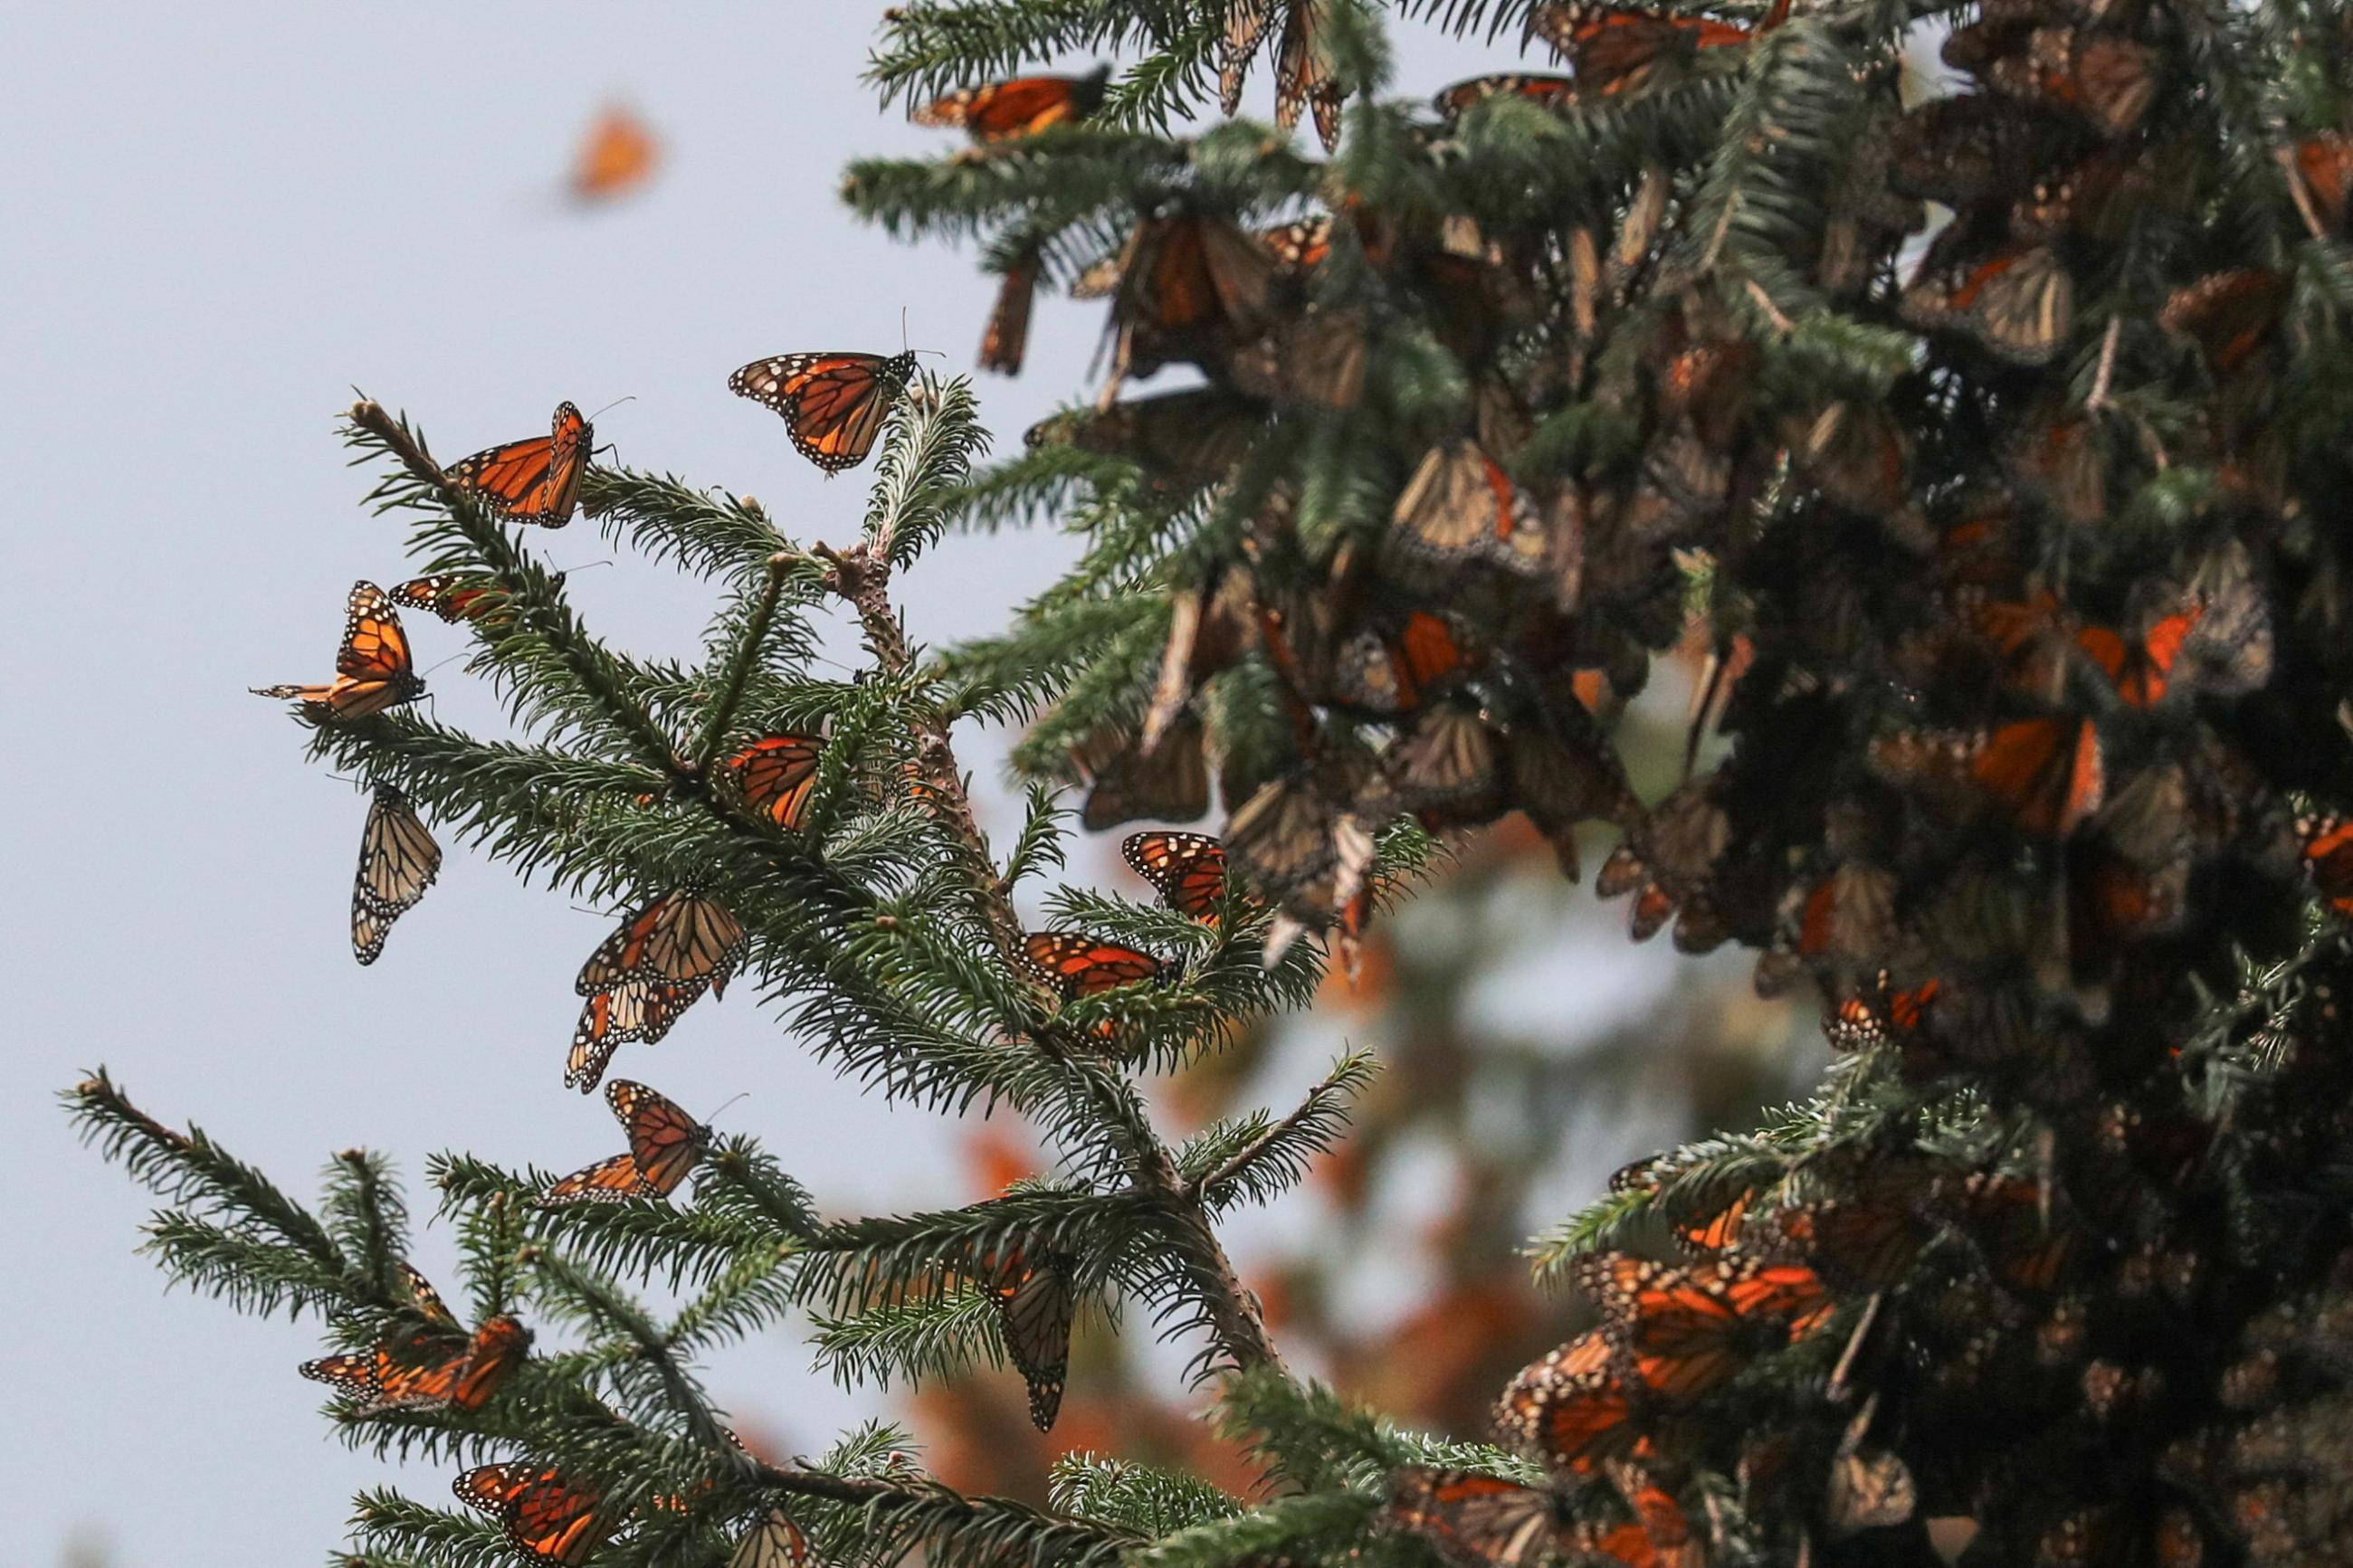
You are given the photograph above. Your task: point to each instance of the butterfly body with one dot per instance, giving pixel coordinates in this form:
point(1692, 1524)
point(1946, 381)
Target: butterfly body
point(373, 669)
point(1187, 869)
point(833, 403)
point(431, 1364)
point(535, 480)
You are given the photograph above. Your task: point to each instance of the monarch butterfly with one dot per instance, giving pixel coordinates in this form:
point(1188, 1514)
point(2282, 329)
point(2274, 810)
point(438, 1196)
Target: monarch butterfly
point(2229, 315)
point(2326, 844)
point(1447, 767)
point(1553, 92)
point(1191, 286)
point(1283, 838)
point(536, 480)
point(545, 1515)
point(1972, 147)
point(431, 1365)
point(2058, 459)
point(1022, 107)
point(1856, 455)
point(833, 404)
point(1188, 438)
point(2046, 773)
point(1169, 784)
point(776, 774)
point(2018, 303)
point(1317, 357)
point(619, 156)
point(773, 1541)
point(1005, 340)
point(398, 860)
point(1035, 1308)
point(1304, 77)
point(373, 667)
point(1392, 674)
point(2008, 1217)
point(2142, 667)
point(1681, 1332)
point(680, 937)
point(446, 595)
point(665, 1143)
point(1187, 869)
point(1862, 1242)
point(1460, 508)
point(1616, 50)
point(1870, 1488)
point(1073, 966)
point(632, 1010)
point(1300, 244)
point(2326, 165)
point(1481, 1522)
point(2094, 197)
point(1245, 26)
point(1884, 1014)
point(2108, 80)
point(1569, 1410)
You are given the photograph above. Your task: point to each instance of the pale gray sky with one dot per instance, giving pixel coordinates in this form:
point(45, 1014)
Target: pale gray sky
point(219, 218)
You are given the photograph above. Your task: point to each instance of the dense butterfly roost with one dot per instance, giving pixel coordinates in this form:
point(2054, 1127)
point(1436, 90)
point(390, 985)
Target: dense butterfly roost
point(2016, 548)
point(2013, 527)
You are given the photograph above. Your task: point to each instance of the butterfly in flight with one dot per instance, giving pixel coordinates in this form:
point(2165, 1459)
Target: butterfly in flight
point(432, 1364)
point(776, 774)
point(373, 670)
point(535, 480)
point(1022, 107)
point(1188, 870)
point(665, 1143)
point(544, 1516)
point(833, 404)
point(398, 860)
point(618, 156)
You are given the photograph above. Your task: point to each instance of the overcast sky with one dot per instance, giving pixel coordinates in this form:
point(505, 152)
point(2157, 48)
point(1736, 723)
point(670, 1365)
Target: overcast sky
point(220, 219)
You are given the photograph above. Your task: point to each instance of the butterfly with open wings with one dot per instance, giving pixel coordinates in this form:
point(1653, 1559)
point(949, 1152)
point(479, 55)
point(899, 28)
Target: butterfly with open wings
point(373, 669)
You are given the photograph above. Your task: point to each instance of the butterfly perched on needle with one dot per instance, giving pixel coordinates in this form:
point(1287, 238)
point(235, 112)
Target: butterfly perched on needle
point(545, 1517)
point(373, 669)
point(398, 860)
point(1681, 1332)
point(1569, 1409)
point(532, 480)
point(432, 1364)
point(632, 1010)
point(1074, 966)
point(1035, 1308)
point(665, 1144)
point(1022, 107)
point(1188, 870)
point(833, 404)
point(774, 1541)
point(775, 773)
point(1482, 1521)
point(679, 938)
point(1619, 49)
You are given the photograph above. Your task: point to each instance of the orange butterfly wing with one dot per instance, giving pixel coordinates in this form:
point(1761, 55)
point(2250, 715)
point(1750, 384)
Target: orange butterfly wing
point(833, 404)
point(1188, 870)
point(535, 480)
point(776, 774)
point(544, 1516)
point(1077, 965)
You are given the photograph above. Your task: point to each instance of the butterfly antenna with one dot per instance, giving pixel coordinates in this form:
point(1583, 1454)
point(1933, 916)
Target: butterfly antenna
point(632, 397)
point(715, 1115)
point(431, 667)
point(563, 572)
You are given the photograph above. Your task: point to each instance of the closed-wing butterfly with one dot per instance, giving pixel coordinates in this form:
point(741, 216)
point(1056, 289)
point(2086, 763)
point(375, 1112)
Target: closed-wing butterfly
point(1188, 870)
point(373, 670)
point(1169, 784)
point(1187, 438)
point(679, 938)
point(1616, 49)
point(2047, 773)
point(776, 774)
point(452, 596)
point(2109, 80)
point(544, 1515)
point(1481, 1522)
point(2229, 315)
point(2016, 302)
point(773, 1541)
point(1022, 107)
point(398, 860)
point(535, 480)
point(1192, 287)
point(1681, 1332)
point(619, 156)
point(665, 1143)
point(1447, 766)
point(1553, 92)
point(1005, 340)
point(1460, 508)
point(833, 404)
point(1035, 1308)
point(1246, 24)
point(1304, 77)
point(632, 1010)
point(1569, 1410)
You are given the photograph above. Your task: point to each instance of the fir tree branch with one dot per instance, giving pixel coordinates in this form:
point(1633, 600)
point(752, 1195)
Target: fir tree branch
point(743, 659)
point(1311, 1129)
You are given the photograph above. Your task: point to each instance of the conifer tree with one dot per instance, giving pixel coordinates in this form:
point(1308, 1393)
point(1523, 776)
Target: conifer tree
point(2016, 535)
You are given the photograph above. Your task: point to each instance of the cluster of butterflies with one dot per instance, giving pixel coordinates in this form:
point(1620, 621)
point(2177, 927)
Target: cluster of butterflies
point(1611, 1414)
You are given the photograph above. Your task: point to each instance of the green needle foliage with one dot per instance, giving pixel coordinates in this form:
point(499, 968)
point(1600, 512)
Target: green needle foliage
point(2015, 538)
